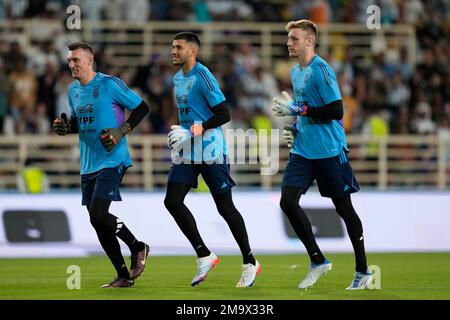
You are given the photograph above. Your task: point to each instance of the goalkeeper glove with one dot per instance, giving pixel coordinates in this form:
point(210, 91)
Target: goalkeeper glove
point(61, 125)
point(177, 136)
point(110, 137)
point(286, 106)
point(289, 133)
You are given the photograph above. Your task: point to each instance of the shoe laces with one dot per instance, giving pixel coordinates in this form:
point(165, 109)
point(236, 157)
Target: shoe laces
point(247, 270)
point(313, 273)
point(311, 276)
point(203, 266)
point(356, 279)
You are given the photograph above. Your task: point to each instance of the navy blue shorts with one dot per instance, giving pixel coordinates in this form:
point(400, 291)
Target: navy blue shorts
point(216, 175)
point(334, 175)
point(102, 184)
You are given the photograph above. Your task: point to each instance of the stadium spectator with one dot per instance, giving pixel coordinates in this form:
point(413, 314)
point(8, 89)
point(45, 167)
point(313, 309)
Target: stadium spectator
point(352, 113)
point(375, 126)
point(93, 10)
point(61, 103)
point(246, 59)
point(240, 119)
point(201, 12)
point(410, 11)
point(299, 9)
point(42, 57)
point(389, 11)
point(15, 9)
point(319, 12)
point(398, 95)
point(403, 123)
point(258, 87)
point(6, 88)
point(32, 179)
point(47, 92)
point(443, 131)
point(26, 122)
point(230, 10)
point(421, 122)
point(41, 120)
point(25, 84)
point(13, 55)
point(403, 66)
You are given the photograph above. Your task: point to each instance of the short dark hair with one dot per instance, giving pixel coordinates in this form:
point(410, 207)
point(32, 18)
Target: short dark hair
point(188, 36)
point(81, 45)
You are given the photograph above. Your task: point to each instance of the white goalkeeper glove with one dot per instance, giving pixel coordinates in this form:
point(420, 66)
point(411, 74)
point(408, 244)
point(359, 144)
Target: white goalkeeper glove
point(177, 136)
point(286, 106)
point(289, 133)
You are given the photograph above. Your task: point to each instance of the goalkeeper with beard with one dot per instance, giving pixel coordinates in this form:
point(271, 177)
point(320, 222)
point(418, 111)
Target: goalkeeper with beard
point(198, 147)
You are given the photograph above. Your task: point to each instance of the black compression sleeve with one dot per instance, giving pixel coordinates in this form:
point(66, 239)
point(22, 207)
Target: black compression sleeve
point(221, 115)
point(73, 123)
point(138, 114)
point(332, 111)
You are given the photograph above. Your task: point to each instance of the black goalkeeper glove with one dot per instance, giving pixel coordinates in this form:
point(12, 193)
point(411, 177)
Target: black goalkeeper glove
point(61, 125)
point(289, 133)
point(110, 137)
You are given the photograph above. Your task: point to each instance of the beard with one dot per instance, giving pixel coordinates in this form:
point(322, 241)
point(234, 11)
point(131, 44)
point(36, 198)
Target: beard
point(178, 62)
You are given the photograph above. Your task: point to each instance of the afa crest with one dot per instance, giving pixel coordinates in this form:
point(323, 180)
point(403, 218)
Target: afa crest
point(189, 85)
point(96, 92)
point(305, 81)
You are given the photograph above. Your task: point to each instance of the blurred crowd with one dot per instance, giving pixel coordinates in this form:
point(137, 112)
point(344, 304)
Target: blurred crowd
point(382, 97)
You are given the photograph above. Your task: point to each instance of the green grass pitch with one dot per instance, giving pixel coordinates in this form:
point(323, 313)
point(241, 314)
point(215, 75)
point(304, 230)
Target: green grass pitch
point(403, 276)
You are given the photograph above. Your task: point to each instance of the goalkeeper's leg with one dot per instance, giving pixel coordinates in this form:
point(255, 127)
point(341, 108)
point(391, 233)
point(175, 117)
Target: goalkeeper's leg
point(345, 209)
point(174, 202)
point(289, 203)
point(111, 246)
point(233, 218)
point(99, 211)
point(108, 227)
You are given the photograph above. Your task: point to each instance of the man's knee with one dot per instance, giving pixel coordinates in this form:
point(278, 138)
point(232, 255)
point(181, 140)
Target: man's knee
point(172, 204)
point(290, 198)
point(98, 216)
point(343, 205)
point(288, 205)
point(227, 210)
point(96, 221)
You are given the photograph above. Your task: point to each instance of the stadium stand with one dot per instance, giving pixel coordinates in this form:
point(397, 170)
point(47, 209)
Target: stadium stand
point(395, 81)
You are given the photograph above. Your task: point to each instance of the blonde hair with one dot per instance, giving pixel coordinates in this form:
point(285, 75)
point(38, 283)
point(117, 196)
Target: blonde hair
point(306, 25)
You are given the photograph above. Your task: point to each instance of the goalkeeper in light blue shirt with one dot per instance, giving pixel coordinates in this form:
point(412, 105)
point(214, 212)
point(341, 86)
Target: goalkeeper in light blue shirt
point(319, 151)
point(97, 102)
point(198, 142)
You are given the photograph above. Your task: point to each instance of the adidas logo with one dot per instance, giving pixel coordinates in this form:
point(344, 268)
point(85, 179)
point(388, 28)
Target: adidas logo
point(111, 193)
point(224, 185)
point(346, 187)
